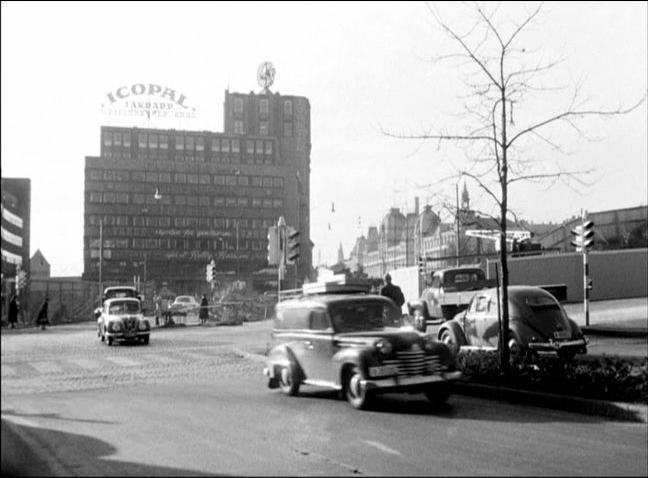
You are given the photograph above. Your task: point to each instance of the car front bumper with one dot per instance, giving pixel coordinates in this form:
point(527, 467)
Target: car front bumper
point(415, 382)
point(579, 345)
point(128, 335)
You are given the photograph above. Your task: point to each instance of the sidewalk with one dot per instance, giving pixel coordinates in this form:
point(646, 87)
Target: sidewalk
point(617, 318)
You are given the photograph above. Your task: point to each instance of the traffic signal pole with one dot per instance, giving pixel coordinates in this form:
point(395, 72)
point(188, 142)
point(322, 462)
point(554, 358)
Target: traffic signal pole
point(585, 276)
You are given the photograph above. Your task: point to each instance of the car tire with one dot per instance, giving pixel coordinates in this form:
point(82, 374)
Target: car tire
point(110, 341)
point(438, 396)
point(449, 338)
point(288, 383)
point(355, 394)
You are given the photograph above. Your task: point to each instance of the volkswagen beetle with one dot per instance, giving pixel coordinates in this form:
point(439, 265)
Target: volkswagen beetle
point(538, 325)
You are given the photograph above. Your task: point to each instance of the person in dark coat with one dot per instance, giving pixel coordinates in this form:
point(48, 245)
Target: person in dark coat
point(42, 319)
point(204, 311)
point(392, 291)
point(13, 311)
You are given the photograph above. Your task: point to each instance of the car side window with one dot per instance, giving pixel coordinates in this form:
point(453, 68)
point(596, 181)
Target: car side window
point(319, 320)
point(481, 303)
point(436, 281)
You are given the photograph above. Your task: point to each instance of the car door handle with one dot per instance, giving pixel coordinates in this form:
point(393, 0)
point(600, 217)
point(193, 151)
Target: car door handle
point(309, 344)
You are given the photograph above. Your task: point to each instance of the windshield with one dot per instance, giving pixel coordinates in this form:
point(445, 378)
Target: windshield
point(129, 307)
point(184, 299)
point(362, 316)
point(118, 293)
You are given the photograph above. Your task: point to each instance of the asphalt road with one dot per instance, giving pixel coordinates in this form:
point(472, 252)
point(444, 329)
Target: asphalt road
point(191, 403)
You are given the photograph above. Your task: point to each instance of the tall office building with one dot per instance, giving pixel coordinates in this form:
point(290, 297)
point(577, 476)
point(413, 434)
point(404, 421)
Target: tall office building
point(166, 201)
point(15, 227)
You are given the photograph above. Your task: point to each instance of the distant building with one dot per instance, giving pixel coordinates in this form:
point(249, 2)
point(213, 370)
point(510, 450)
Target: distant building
point(40, 268)
point(167, 201)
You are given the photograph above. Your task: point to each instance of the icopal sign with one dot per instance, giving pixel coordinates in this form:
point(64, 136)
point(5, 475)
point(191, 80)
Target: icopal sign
point(150, 89)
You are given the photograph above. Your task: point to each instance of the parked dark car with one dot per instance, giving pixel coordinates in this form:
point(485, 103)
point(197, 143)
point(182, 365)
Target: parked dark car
point(538, 325)
point(351, 342)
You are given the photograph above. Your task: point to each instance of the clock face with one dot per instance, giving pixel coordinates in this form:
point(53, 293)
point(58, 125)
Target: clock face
point(265, 74)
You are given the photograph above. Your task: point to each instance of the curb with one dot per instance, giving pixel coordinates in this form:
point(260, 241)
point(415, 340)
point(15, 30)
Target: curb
point(605, 332)
point(616, 410)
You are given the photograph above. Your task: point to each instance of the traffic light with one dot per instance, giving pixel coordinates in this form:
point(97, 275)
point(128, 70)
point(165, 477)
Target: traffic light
point(210, 272)
point(583, 236)
point(590, 284)
point(292, 245)
point(421, 265)
point(273, 246)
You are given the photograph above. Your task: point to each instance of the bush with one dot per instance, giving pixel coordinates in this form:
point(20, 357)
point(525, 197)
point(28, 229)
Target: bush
point(608, 378)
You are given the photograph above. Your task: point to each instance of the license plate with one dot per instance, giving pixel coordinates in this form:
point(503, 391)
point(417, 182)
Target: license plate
point(562, 334)
point(382, 370)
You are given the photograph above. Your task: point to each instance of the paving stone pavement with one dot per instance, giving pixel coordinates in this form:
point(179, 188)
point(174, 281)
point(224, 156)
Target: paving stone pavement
point(71, 361)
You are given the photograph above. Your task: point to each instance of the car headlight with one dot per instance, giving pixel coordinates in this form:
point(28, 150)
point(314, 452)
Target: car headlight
point(384, 347)
point(428, 343)
point(116, 326)
point(143, 325)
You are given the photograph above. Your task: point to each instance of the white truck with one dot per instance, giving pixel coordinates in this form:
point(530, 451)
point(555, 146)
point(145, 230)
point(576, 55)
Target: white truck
point(447, 292)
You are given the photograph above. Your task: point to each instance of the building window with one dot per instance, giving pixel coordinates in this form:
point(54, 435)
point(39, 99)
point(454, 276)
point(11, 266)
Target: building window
point(153, 141)
point(230, 202)
point(152, 177)
point(109, 197)
point(263, 128)
point(256, 202)
point(138, 199)
point(267, 182)
point(95, 197)
point(219, 180)
point(236, 146)
point(189, 143)
point(249, 146)
point(181, 178)
point(238, 105)
point(238, 127)
point(107, 139)
point(277, 203)
point(192, 201)
point(259, 147)
point(243, 181)
point(215, 145)
point(192, 178)
point(165, 177)
point(204, 179)
point(278, 182)
point(263, 106)
point(287, 129)
point(231, 181)
point(267, 203)
point(242, 202)
point(256, 181)
point(180, 200)
point(117, 139)
point(143, 140)
point(95, 174)
point(204, 201)
point(225, 146)
point(268, 147)
point(288, 108)
point(219, 201)
point(179, 142)
point(200, 143)
point(164, 142)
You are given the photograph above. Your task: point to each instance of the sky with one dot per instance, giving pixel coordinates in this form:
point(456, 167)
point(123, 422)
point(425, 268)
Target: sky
point(366, 68)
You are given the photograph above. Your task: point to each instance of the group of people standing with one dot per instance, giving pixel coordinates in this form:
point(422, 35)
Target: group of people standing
point(42, 318)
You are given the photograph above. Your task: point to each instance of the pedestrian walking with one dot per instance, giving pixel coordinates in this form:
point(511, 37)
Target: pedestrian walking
point(42, 319)
point(392, 291)
point(158, 306)
point(204, 311)
point(14, 307)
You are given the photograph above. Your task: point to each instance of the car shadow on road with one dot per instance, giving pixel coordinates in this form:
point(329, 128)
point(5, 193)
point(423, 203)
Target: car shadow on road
point(56, 453)
point(458, 407)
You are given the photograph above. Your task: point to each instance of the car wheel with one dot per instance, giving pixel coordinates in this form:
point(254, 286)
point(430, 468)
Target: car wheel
point(516, 353)
point(110, 341)
point(356, 394)
point(449, 338)
point(438, 396)
point(419, 321)
point(287, 382)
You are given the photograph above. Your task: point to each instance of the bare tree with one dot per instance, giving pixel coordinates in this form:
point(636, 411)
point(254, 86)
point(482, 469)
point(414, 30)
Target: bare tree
point(501, 76)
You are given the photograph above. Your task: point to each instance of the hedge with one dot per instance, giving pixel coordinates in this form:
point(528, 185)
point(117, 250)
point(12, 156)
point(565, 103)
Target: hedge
point(606, 378)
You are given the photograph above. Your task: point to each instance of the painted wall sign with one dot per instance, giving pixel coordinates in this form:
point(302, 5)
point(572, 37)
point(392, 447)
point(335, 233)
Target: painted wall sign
point(148, 100)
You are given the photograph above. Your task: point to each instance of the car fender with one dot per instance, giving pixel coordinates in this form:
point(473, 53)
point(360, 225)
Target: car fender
point(455, 326)
point(282, 356)
point(348, 357)
point(576, 330)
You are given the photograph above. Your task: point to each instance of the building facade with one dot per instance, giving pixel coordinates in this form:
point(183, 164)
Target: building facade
point(15, 228)
point(165, 202)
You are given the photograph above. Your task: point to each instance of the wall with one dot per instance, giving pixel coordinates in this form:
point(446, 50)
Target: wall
point(617, 274)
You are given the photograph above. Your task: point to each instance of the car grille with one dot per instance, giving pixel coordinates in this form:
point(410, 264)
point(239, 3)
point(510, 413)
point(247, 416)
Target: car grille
point(130, 324)
point(415, 362)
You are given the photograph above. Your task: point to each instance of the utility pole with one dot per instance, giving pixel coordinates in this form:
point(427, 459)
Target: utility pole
point(100, 258)
point(281, 231)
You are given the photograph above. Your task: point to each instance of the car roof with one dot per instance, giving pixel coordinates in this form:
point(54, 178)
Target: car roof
point(518, 291)
point(184, 297)
point(325, 300)
point(120, 287)
point(460, 268)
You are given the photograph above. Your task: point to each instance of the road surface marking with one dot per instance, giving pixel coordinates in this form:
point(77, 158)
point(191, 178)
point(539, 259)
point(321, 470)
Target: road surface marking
point(123, 361)
point(382, 447)
point(87, 364)
point(8, 371)
point(46, 367)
